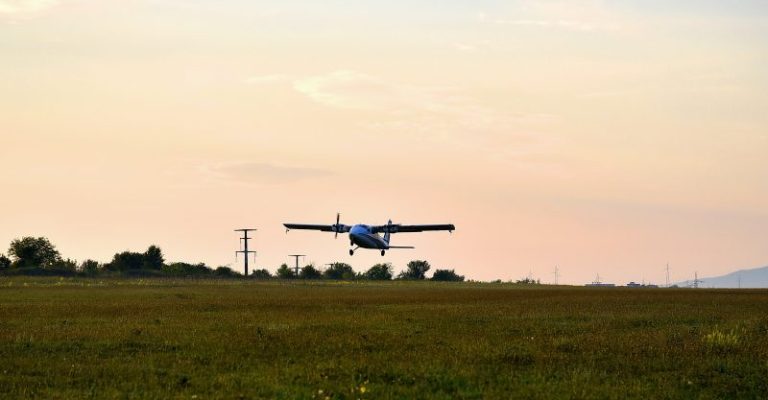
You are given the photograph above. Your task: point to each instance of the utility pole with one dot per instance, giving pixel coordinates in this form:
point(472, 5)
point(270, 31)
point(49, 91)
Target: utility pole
point(667, 274)
point(557, 273)
point(296, 256)
point(244, 246)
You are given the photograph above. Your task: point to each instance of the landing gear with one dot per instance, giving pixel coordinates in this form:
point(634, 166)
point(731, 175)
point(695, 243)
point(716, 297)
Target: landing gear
point(382, 253)
point(351, 252)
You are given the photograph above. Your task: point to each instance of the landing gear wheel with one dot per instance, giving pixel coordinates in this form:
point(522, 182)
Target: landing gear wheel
point(382, 253)
point(351, 252)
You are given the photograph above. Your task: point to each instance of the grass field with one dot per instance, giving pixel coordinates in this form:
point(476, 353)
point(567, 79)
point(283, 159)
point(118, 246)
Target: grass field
point(235, 339)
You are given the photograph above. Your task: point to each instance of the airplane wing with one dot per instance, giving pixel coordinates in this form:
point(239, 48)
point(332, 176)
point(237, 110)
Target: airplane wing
point(312, 227)
point(397, 228)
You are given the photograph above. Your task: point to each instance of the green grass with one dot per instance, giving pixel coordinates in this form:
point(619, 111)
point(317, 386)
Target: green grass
point(230, 339)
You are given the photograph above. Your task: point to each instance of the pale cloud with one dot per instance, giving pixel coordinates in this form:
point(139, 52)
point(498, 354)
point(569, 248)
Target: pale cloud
point(447, 116)
point(20, 7)
point(355, 90)
point(267, 79)
point(572, 15)
point(262, 173)
point(560, 24)
point(467, 46)
point(442, 113)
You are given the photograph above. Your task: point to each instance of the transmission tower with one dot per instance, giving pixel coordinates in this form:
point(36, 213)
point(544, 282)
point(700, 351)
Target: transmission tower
point(244, 246)
point(696, 280)
point(667, 274)
point(296, 256)
point(557, 273)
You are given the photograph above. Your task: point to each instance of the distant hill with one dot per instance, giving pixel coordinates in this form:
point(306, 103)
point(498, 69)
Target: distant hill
point(750, 278)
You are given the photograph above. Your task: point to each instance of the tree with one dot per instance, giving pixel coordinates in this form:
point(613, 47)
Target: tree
point(224, 271)
point(33, 252)
point(285, 273)
point(186, 269)
point(338, 271)
point(67, 267)
point(5, 262)
point(126, 261)
point(89, 267)
point(310, 272)
point(417, 270)
point(447, 275)
point(379, 272)
point(153, 258)
point(261, 274)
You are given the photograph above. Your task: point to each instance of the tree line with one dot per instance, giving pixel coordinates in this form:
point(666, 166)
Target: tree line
point(38, 256)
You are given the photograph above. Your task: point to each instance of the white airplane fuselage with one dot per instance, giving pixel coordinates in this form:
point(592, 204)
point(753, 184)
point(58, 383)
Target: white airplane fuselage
point(361, 235)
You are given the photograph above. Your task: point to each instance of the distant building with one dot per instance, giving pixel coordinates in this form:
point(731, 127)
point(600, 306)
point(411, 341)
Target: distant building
point(597, 283)
point(641, 285)
point(600, 284)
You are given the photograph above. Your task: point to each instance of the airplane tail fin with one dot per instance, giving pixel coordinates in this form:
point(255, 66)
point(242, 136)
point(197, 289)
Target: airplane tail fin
point(386, 234)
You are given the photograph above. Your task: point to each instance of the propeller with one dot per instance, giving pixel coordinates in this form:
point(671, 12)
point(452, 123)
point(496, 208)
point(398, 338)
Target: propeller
point(336, 227)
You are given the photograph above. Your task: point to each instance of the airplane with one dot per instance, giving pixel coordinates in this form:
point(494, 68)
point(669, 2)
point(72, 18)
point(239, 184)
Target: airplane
point(367, 236)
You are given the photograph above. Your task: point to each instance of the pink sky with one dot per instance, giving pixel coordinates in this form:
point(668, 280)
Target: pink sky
point(599, 138)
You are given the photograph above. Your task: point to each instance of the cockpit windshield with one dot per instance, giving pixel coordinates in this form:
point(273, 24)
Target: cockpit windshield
point(360, 229)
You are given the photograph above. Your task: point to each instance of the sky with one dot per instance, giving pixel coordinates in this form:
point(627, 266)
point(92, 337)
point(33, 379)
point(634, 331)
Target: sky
point(597, 137)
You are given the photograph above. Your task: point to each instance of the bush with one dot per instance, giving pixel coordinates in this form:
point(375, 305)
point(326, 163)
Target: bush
point(261, 274)
point(379, 272)
point(339, 271)
point(447, 275)
point(310, 272)
point(64, 267)
point(417, 270)
point(126, 261)
point(30, 271)
point(225, 272)
point(186, 269)
point(152, 259)
point(89, 267)
point(5, 262)
point(285, 273)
